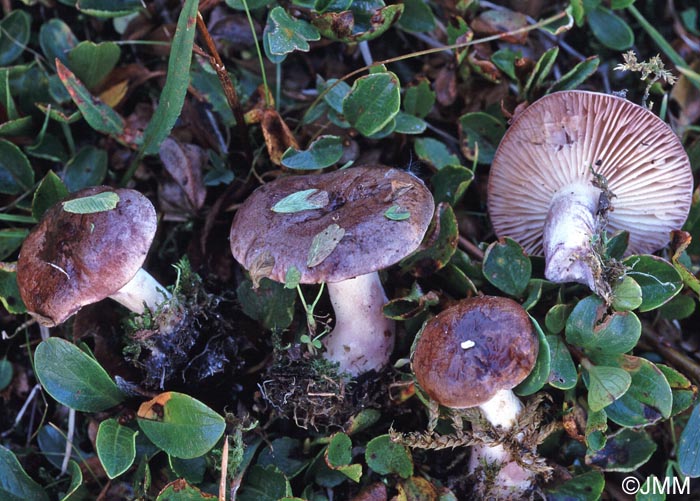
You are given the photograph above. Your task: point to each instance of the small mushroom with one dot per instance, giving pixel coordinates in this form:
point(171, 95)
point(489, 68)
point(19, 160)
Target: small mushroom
point(574, 164)
point(338, 228)
point(501, 350)
point(70, 260)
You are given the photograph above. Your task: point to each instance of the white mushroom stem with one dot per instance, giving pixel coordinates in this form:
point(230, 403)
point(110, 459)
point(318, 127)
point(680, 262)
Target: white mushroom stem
point(141, 290)
point(363, 338)
point(512, 479)
point(568, 231)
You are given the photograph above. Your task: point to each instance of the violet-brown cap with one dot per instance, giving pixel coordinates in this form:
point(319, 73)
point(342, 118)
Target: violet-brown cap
point(554, 143)
point(70, 260)
point(332, 226)
point(470, 351)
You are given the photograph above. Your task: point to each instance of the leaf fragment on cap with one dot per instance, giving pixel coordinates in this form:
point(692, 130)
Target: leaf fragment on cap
point(397, 213)
point(261, 267)
point(302, 200)
point(100, 202)
point(323, 244)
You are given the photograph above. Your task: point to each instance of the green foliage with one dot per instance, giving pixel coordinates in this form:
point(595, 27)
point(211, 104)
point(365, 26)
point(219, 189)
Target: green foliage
point(386, 457)
point(116, 447)
point(180, 425)
point(507, 266)
point(73, 377)
point(15, 484)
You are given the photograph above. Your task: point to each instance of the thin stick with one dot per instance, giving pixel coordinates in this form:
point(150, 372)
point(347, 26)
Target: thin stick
point(229, 90)
point(69, 440)
point(224, 470)
point(470, 248)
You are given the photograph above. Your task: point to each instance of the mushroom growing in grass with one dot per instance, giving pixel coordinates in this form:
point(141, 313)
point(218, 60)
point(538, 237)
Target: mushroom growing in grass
point(337, 228)
point(472, 355)
point(88, 247)
point(574, 164)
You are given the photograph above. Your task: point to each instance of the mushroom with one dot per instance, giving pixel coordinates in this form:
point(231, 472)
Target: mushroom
point(337, 228)
point(471, 355)
point(70, 259)
point(574, 163)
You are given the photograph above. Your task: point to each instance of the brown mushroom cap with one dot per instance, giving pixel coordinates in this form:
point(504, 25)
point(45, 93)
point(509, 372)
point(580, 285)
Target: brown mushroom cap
point(269, 243)
point(71, 260)
point(555, 141)
point(504, 351)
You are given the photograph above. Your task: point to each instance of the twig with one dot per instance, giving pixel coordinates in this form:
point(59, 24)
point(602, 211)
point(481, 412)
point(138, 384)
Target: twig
point(21, 412)
point(470, 248)
point(227, 85)
point(224, 470)
point(69, 440)
point(689, 367)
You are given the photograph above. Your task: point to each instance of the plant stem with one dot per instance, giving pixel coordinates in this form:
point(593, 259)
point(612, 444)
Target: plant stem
point(257, 49)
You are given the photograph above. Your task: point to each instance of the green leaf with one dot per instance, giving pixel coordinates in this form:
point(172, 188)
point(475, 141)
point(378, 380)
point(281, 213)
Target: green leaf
point(419, 99)
point(658, 279)
point(6, 373)
point(76, 489)
point(649, 398)
point(397, 213)
point(56, 40)
point(584, 487)
point(14, 35)
point(540, 373)
point(408, 124)
point(480, 134)
point(555, 320)
point(372, 102)
point(323, 244)
point(435, 153)
point(52, 443)
point(15, 484)
point(364, 21)
point(442, 235)
point(542, 68)
point(73, 378)
point(50, 191)
point(9, 293)
point(87, 168)
point(108, 8)
point(97, 114)
point(322, 152)
point(248, 5)
point(338, 456)
point(596, 427)
point(681, 388)
point(301, 200)
point(450, 183)
point(689, 445)
point(116, 447)
point(610, 29)
point(264, 484)
point(285, 34)
point(192, 470)
point(16, 173)
point(181, 490)
point(417, 16)
point(386, 457)
point(91, 62)
point(101, 202)
point(563, 373)
point(292, 278)
point(577, 75)
point(507, 266)
point(627, 295)
point(180, 425)
point(284, 453)
point(173, 96)
point(10, 240)
point(678, 308)
point(271, 304)
point(599, 333)
point(504, 60)
point(605, 385)
point(625, 451)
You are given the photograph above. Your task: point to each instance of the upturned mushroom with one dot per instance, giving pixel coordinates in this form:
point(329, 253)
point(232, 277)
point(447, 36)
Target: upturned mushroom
point(72, 259)
point(337, 228)
point(472, 355)
point(574, 163)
